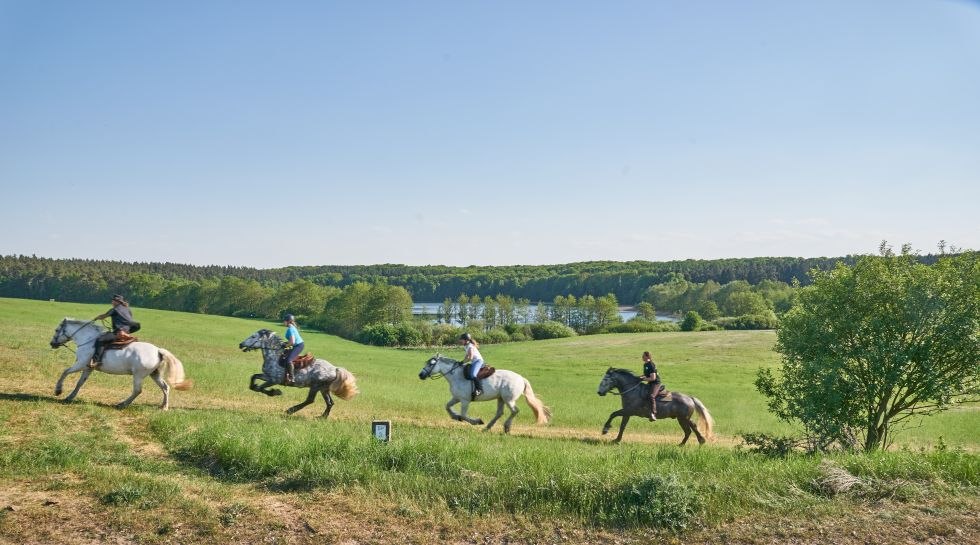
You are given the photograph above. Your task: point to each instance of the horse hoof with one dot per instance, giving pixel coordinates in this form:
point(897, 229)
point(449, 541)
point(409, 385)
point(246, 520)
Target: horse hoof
point(479, 422)
point(605, 431)
point(57, 391)
point(274, 393)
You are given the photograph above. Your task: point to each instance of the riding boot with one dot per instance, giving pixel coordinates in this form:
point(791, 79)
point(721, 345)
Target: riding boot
point(97, 356)
point(288, 379)
point(477, 390)
point(654, 392)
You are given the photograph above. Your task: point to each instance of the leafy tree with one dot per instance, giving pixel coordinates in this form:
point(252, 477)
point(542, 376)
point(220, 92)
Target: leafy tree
point(709, 310)
point(869, 346)
point(692, 321)
point(646, 311)
point(745, 302)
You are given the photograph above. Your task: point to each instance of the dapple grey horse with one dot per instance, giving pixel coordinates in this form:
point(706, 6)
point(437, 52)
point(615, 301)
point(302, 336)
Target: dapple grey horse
point(504, 386)
point(636, 402)
point(138, 359)
point(320, 376)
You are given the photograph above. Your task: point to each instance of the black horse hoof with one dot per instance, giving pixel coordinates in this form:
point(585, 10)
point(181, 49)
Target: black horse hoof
point(479, 422)
point(274, 393)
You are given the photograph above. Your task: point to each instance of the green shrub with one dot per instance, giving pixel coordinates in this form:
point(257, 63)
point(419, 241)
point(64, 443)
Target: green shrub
point(409, 334)
point(641, 325)
point(495, 336)
point(692, 321)
point(551, 330)
point(444, 334)
point(379, 335)
point(749, 321)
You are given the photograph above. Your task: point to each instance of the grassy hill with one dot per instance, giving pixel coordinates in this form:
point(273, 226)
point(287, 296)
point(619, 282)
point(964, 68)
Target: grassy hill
point(225, 465)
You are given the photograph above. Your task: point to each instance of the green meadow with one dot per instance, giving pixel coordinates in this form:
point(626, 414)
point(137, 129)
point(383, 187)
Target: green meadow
point(212, 467)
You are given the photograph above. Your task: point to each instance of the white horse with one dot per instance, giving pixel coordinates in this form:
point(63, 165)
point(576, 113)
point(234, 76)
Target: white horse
point(138, 359)
point(320, 376)
point(504, 386)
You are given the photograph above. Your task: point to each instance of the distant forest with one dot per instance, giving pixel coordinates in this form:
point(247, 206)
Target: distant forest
point(91, 281)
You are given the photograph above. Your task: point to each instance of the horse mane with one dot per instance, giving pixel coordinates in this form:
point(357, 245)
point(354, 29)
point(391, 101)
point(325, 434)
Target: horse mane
point(623, 371)
point(76, 321)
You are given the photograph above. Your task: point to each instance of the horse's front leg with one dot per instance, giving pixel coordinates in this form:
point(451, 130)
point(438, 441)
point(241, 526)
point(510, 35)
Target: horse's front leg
point(79, 365)
point(78, 385)
point(264, 387)
point(463, 407)
point(608, 425)
point(622, 428)
point(310, 398)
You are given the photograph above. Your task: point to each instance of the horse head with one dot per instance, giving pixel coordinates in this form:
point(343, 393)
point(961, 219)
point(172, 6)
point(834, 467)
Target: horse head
point(614, 378)
point(437, 366)
point(263, 339)
point(60, 335)
point(69, 328)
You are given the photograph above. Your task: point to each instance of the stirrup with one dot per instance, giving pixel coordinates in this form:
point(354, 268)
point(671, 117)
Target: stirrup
point(92, 364)
point(653, 417)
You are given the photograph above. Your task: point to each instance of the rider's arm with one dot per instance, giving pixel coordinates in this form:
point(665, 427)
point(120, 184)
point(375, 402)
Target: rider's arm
point(102, 316)
point(468, 355)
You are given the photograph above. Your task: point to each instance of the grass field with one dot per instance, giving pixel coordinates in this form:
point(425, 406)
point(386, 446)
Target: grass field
point(226, 465)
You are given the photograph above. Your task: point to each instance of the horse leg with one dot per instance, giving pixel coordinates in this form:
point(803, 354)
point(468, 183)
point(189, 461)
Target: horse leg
point(137, 390)
point(78, 385)
point(622, 428)
point(694, 428)
point(500, 412)
point(463, 407)
point(325, 392)
point(251, 382)
point(264, 388)
point(155, 375)
point(449, 409)
point(310, 398)
point(608, 424)
point(686, 425)
point(512, 405)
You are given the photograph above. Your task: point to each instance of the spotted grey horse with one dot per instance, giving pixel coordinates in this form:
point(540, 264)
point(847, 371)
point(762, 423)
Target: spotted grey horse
point(320, 376)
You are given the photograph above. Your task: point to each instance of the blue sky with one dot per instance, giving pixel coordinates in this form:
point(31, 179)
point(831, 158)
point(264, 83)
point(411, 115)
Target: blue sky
point(293, 133)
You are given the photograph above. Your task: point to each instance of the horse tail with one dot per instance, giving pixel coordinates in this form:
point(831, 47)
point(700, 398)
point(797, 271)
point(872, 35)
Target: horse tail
point(173, 371)
point(541, 413)
point(345, 385)
point(705, 423)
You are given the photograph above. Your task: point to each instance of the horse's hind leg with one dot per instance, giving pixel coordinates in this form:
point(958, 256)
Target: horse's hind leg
point(500, 412)
point(314, 389)
point(325, 392)
point(155, 375)
point(137, 390)
point(686, 425)
point(512, 405)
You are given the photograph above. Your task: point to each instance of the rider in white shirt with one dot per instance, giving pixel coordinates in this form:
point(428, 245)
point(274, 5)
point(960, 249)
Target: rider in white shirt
point(472, 355)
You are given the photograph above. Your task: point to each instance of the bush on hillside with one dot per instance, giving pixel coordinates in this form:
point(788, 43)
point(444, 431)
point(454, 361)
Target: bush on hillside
point(379, 335)
point(496, 335)
point(692, 321)
point(749, 321)
point(551, 330)
point(640, 325)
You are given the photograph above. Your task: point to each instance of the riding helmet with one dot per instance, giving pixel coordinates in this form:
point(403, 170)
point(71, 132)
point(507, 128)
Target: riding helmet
point(289, 318)
point(466, 337)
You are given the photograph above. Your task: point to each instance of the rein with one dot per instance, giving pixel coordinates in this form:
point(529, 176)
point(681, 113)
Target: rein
point(456, 365)
point(72, 336)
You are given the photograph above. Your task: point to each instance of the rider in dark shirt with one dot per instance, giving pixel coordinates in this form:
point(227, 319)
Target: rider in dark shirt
point(122, 324)
point(651, 375)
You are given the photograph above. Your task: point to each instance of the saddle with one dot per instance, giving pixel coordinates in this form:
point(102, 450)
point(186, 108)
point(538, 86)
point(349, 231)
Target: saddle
point(483, 373)
point(663, 395)
point(301, 362)
point(123, 339)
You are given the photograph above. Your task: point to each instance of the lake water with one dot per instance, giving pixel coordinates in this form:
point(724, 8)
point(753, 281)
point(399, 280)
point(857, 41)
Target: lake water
point(626, 312)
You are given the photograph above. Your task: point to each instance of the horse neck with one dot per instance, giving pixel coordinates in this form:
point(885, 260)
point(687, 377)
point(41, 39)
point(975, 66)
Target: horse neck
point(451, 367)
point(81, 332)
point(271, 355)
point(625, 380)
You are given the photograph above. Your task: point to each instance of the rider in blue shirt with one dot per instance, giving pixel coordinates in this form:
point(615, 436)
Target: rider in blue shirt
point(294, 342)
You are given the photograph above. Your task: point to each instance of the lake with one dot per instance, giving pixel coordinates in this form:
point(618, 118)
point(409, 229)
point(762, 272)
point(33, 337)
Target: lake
point(625, 312)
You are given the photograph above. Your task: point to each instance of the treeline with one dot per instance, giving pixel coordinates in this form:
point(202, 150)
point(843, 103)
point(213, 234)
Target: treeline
point(91, 280)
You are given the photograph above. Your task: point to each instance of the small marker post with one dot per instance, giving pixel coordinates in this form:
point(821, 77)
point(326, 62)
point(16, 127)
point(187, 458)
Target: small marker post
point(381, 429)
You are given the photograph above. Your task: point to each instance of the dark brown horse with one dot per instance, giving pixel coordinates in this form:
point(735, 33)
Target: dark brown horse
point(636, 402)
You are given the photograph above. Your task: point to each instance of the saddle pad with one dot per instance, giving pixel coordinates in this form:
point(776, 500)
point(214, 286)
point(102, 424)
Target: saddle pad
point(301, 362)
point(483, 373)
point(121, 342)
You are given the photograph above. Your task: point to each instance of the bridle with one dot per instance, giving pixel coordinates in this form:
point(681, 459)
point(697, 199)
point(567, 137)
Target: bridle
point(69, 337)
point(436, 359)
point(621, 391)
